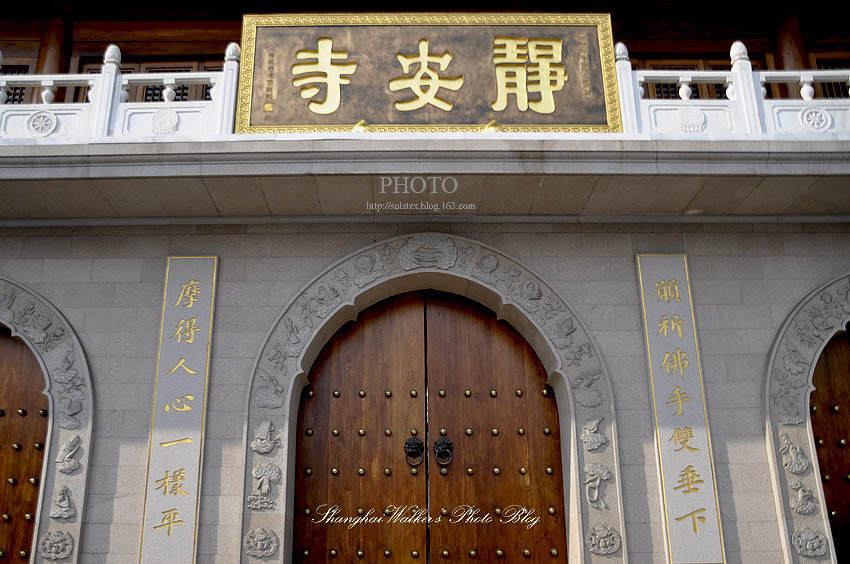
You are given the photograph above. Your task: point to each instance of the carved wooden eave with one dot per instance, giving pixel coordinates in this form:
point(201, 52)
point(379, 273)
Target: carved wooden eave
point(576, 373)
point(333, 177)
point(71, 407)
point(804, 527)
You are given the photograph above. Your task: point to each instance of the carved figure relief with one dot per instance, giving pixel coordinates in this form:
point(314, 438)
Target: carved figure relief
point(603, 539)
point(793, 458)
point(66, 461)
point(804, 502)
point(266, 474)
point(264, 443)
point(485, 269)
point(789, 380)
point(270, 392)
point(366, 273)
point(596, 473)
point(590, 436)
point(583, 393)
point(444, 257)
point(6, 303)
point(45, 330)
point(427, 251)
point(62, 503)
point(562, 334)
point(261, 543)
point(56, 545)
point(529, 296)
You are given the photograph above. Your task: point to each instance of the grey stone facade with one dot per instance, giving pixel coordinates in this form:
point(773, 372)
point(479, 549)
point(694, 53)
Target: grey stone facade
point(746, 279)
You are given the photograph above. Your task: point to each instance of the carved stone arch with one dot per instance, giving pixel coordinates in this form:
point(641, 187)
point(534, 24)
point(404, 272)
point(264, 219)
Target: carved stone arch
point(483, 274)
point(791, 447)
point(71, 407)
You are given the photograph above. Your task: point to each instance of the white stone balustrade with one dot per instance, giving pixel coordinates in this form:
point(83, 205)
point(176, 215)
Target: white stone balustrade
point(107, 113)
point(743, 112)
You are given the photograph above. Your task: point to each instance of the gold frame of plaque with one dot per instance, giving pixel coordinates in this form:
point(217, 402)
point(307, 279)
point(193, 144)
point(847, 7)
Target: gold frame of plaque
point(510, 72)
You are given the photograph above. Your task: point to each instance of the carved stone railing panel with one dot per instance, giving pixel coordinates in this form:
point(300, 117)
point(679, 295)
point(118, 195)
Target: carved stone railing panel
point(462, 266)
point(71, 398)
point(798, 491)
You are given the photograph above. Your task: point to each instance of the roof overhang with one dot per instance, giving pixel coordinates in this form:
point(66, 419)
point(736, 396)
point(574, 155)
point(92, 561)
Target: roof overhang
point(495, 176)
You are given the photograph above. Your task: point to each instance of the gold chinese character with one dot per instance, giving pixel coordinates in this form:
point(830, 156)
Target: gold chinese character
point(667, 291)
point(171, 518)
point(167, 444)
point(681, 436)
point(526, 66)
point(183, 366)
point(673, 324)
point(676, 362)
point(694, 518)
point(322, 71)
point(676, 398)
point(186, 330)
point(426, 81)
point(689, 480)
point(189, 294)
point(173, 483)
point(180, 404)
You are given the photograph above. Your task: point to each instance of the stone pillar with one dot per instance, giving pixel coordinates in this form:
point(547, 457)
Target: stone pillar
point(52, 56)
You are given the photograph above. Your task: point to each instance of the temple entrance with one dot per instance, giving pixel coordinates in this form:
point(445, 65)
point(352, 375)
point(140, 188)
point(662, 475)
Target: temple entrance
point(830, 416)
point(427, 431)
point(23, 433)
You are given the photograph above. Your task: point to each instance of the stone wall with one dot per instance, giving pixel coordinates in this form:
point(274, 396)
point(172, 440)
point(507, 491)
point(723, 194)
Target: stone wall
point(108, 282)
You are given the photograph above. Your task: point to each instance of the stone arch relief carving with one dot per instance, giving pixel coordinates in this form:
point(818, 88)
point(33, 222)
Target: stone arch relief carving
point(804, 523)
point(465, 267)
point(71, 407)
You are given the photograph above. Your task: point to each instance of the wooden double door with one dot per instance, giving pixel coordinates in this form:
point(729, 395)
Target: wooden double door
point(23, 431)
point(427, 433)
point(830, 413)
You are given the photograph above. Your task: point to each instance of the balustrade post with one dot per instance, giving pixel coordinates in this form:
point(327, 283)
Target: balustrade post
point(224, 93)
point(106, 94)
point(4, 90)
point(629, 88)
point(745, 92)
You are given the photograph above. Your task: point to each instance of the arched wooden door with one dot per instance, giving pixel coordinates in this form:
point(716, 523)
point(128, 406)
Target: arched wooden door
point(442, 370)
point(830, 413)
point(23, 432)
